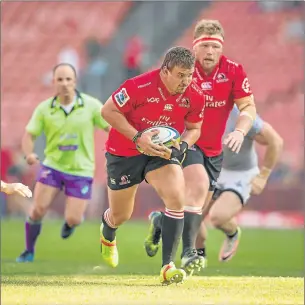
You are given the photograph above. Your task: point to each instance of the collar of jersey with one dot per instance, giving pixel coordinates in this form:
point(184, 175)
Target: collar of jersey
point(162, 86)
point(79, 101)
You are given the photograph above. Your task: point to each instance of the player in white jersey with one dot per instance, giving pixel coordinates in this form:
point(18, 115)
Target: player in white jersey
point(240, 177)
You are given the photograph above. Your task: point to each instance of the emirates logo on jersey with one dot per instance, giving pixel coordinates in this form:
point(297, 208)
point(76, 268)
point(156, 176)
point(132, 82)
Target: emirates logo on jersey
point(162, 120)
point(216, 104)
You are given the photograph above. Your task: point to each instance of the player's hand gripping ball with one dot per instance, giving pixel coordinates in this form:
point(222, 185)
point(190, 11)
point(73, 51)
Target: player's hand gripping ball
point(166, 135)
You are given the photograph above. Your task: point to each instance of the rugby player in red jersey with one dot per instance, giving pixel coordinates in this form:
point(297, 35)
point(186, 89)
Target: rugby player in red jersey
point(166, 96)
point(225, 83)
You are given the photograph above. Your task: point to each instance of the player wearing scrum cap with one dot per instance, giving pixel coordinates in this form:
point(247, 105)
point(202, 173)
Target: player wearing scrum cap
point(165, 96)
point(225, 83)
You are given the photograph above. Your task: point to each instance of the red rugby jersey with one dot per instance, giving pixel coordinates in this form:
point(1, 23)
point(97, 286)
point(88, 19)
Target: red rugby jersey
point(227, 82)
point(145, 102)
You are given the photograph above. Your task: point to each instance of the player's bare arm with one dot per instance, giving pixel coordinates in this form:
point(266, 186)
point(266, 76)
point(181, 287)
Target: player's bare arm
point(274, 146)
point(119, 122)
point(28, 141)
point(247, 109)
point(192, 132)
point(247, 115)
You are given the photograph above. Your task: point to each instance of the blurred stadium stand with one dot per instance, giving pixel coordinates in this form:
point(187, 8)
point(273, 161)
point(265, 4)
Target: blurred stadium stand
point(266, 39)
point(33, 35)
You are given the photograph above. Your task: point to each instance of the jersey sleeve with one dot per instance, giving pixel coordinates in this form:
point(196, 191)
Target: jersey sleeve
point(241, 86)
point(256, 127)
point(98, 120)
point(196, 110)
point(36, 124)
point(125, 97)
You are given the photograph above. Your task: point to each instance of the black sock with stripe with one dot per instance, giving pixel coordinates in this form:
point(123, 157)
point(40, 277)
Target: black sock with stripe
point(108, 229)
point(192, 221)
point(172, 227)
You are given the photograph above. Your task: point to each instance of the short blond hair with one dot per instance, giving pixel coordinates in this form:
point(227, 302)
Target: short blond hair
point(208, 27)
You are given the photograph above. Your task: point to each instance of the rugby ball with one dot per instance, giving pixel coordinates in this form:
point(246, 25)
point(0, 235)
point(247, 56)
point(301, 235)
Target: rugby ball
point(165, 136)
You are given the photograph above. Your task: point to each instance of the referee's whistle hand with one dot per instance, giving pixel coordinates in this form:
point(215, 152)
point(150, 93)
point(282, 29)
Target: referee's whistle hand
point(32, 159)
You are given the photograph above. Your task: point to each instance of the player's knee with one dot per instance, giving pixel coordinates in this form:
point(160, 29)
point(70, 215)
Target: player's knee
point(73, 220)
point(196, 194)
point(37, 212)
point(217, 219)
point(119, 219)
point(174, 200)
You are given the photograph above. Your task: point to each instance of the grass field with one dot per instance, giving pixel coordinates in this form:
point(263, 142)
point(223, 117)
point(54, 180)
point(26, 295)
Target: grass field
point(268, 269)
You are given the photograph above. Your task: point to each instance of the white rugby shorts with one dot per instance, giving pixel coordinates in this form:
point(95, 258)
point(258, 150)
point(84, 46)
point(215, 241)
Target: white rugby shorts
point(238, 181)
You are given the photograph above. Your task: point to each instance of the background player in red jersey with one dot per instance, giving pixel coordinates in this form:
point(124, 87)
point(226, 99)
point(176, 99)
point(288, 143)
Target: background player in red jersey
point(240, 177)
point(225, 84)
point(164, 96)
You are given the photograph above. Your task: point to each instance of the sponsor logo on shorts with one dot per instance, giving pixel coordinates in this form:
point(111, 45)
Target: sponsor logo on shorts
point(45, 173)
point(85, 190)
point(112, 181)
point(125, 180)
point(122, 97)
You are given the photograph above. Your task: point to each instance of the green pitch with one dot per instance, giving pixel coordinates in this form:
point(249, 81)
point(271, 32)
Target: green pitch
point(266, 270)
